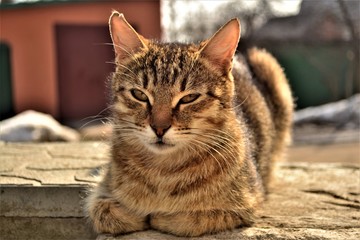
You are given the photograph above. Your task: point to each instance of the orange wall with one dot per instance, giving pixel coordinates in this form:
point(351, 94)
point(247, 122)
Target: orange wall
point(30, 33)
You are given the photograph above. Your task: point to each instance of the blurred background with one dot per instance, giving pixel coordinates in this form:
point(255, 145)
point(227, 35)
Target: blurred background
point(55, 56)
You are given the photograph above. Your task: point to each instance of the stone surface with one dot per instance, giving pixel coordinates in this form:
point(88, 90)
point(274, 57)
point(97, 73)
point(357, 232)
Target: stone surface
point(51, 163)
point(42, 188)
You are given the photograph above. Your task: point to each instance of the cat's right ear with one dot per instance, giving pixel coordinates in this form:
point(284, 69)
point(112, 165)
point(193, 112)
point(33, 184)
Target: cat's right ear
point(126, 40)
point(220, 48)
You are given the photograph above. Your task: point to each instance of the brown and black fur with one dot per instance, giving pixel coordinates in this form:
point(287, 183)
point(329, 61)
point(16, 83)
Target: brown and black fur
point(219, 154)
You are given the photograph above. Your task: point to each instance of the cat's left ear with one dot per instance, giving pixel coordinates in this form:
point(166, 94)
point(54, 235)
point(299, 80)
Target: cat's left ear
point(221, 47)
point(125, 39)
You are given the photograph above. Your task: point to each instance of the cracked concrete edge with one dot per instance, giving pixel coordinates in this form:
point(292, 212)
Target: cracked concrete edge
point(26, 201)
point(45, 228)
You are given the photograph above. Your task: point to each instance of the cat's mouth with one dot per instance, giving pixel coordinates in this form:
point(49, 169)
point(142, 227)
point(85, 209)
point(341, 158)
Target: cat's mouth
point(161, 144)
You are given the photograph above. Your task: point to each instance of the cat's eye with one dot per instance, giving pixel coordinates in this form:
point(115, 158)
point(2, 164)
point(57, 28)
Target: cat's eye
point(139, 95)
point(189, 98)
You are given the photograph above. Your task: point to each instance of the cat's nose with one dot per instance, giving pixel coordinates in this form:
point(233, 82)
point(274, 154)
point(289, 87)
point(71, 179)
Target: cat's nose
point(160, 130)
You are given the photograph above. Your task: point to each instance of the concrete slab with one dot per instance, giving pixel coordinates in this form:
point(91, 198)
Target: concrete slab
point(50, 163)
point(42, 187)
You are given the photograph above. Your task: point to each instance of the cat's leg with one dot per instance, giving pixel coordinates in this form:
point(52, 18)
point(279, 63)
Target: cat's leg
point(197, 223)
point(110, 216)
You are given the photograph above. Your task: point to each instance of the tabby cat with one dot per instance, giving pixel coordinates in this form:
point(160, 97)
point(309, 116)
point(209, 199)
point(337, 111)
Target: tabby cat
point(195, 133)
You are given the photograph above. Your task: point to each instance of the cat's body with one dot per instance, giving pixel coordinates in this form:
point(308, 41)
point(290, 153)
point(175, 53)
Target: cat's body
point(195, 134)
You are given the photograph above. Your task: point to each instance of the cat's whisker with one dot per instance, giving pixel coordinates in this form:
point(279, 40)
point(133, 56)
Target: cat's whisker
point(208, 130)
point(240, 104)
point(128, 77)
point(198, 153)
point(102, 111)
point(102, 120)
point(228, 149)
point(129, 54)
point(125, 67)
point(227, 134)
point(123, 138)
point(125, 128)
point(111, 62)
point(127, 121)
point(215, 136)
point(222, 142)
point(96, 117)
point(223, 145)
point(199, 149)
point(193, 150)
point(209, 148)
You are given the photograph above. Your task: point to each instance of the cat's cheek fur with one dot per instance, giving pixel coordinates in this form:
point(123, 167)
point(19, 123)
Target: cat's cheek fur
point(120, 107)
point(214, 117)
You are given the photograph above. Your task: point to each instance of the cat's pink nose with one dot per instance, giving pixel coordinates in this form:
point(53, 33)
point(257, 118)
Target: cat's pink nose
point(160, 130)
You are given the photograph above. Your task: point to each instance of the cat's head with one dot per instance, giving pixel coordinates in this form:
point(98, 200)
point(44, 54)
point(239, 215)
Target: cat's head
point(168, 97)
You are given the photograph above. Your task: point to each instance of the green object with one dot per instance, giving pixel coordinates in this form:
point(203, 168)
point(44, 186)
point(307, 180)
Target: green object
point(6, 101)
point(317, 73)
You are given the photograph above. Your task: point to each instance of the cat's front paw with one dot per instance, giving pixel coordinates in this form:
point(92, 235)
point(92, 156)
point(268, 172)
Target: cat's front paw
point(109, 216)
point(193, 224)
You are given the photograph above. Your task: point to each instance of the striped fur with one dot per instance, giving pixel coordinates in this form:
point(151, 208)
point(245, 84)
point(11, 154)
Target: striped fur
point(193, 146)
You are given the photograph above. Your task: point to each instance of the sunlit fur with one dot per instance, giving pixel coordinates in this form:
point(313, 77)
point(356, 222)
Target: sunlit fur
point(213, 167)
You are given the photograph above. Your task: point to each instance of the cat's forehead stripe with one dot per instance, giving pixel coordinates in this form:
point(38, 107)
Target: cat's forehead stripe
point(165, 66)
point(183, 84)
point(144, 79)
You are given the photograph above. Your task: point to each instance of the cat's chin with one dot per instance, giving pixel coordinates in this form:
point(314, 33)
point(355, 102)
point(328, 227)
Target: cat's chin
point(162, 148)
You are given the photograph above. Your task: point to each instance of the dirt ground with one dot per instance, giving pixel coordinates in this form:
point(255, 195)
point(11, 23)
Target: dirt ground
point(336, 152)
point(320, 144)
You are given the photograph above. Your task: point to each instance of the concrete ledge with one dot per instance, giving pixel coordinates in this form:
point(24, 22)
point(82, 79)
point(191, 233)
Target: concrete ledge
point(42, 188)
point(19, 228)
